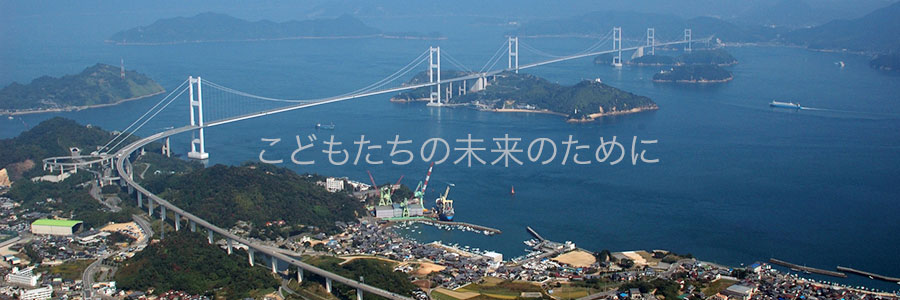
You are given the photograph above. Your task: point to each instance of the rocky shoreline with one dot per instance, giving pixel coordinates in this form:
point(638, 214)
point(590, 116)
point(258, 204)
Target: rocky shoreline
point(595, 116)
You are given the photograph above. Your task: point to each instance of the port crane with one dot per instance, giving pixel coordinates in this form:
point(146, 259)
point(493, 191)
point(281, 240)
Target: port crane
point(419, 193)
point(385, 192)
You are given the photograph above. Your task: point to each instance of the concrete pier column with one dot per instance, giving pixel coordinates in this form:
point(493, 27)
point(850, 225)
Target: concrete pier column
point(299, 275)
point(177, 222)
point(274, 262)
point(140, 200)
point(358, 294)
point(162, 213)
point(230, 245)
point(193, 226)
point(328, 284)
point(209, 235)
point(150, 207)
point(250, 255)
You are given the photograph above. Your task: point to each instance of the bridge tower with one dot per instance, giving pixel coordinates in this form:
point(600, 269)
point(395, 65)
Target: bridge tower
point(434, 71)
point(687, 38)
point(512, 50)
point(651, 40)
point(198, 145)
point(617, 46)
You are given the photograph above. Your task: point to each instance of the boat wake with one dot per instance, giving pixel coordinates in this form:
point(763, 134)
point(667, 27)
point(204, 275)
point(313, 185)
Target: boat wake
point(853, 113)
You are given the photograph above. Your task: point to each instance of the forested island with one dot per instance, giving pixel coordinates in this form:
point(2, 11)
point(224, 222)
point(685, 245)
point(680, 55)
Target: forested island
point(694, 74)
point(215, 27)
point(512, 92)
point(718, 57)
point(96, 86)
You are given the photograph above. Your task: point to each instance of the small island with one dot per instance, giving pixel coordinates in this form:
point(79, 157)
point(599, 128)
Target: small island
point(215, 27)
point(886, 62)
point(694, 74)
point(718, 57)
point(96, 86)
point(511, 92)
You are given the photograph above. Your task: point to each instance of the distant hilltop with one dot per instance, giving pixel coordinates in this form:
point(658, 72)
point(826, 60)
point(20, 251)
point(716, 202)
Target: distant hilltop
point(875, 33)
point(98, 85)
point(215, 27)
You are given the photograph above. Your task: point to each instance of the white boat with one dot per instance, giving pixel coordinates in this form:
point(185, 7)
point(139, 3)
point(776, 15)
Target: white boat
point(785, 105)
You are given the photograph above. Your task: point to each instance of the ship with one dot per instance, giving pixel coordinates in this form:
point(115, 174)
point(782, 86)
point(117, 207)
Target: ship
point(325, 126)
point(785, 105)
point(444, 206)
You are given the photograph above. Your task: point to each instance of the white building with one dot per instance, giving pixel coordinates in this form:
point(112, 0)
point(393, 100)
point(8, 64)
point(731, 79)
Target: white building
point(334, 184)
point(24, 277)
point(36, 294)
point(55, 227)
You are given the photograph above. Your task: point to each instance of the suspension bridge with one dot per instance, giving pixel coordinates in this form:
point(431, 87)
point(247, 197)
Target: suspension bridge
point(231, 105)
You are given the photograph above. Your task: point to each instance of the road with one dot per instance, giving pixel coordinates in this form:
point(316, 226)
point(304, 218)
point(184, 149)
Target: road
point(95, 193)
point(87, 278)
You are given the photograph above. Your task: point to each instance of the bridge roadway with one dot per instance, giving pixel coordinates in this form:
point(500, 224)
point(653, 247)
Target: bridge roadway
point(180, 213)
point(415, 86)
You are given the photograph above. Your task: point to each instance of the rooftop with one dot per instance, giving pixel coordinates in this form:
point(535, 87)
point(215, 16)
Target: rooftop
point(58, 223)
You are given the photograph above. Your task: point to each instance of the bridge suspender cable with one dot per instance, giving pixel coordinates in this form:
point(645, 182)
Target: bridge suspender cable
point(403, 71)
point(142, 116)
point(150, 118)
point(496, 56)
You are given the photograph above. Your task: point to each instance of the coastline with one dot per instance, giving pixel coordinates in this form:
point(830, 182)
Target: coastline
point(595, 116)
point(517, 110)
point(77, 108)
point(702, 81)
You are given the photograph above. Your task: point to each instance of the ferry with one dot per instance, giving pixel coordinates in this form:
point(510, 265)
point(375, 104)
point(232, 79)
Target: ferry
point(785, 105)
point(325, 126)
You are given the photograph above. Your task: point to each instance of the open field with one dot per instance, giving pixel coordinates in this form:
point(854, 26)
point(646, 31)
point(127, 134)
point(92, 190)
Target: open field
point(500, 289)
point(445, 294)
point(577, 258)
point(425, 268)
point(69, 270)
point(570, 292)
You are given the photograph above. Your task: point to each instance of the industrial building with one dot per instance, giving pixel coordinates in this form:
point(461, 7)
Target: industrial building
point(23, 277)
point(55, 227)
point(396, 210)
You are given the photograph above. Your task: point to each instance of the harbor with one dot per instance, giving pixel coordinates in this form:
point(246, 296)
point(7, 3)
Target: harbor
point(869, 274)
point(806, 269)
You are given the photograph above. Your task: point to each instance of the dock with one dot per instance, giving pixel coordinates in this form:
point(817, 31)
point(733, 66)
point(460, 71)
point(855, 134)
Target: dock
point(869, 274)
point(463, 224)
point(534, 233)
point(807, 269)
